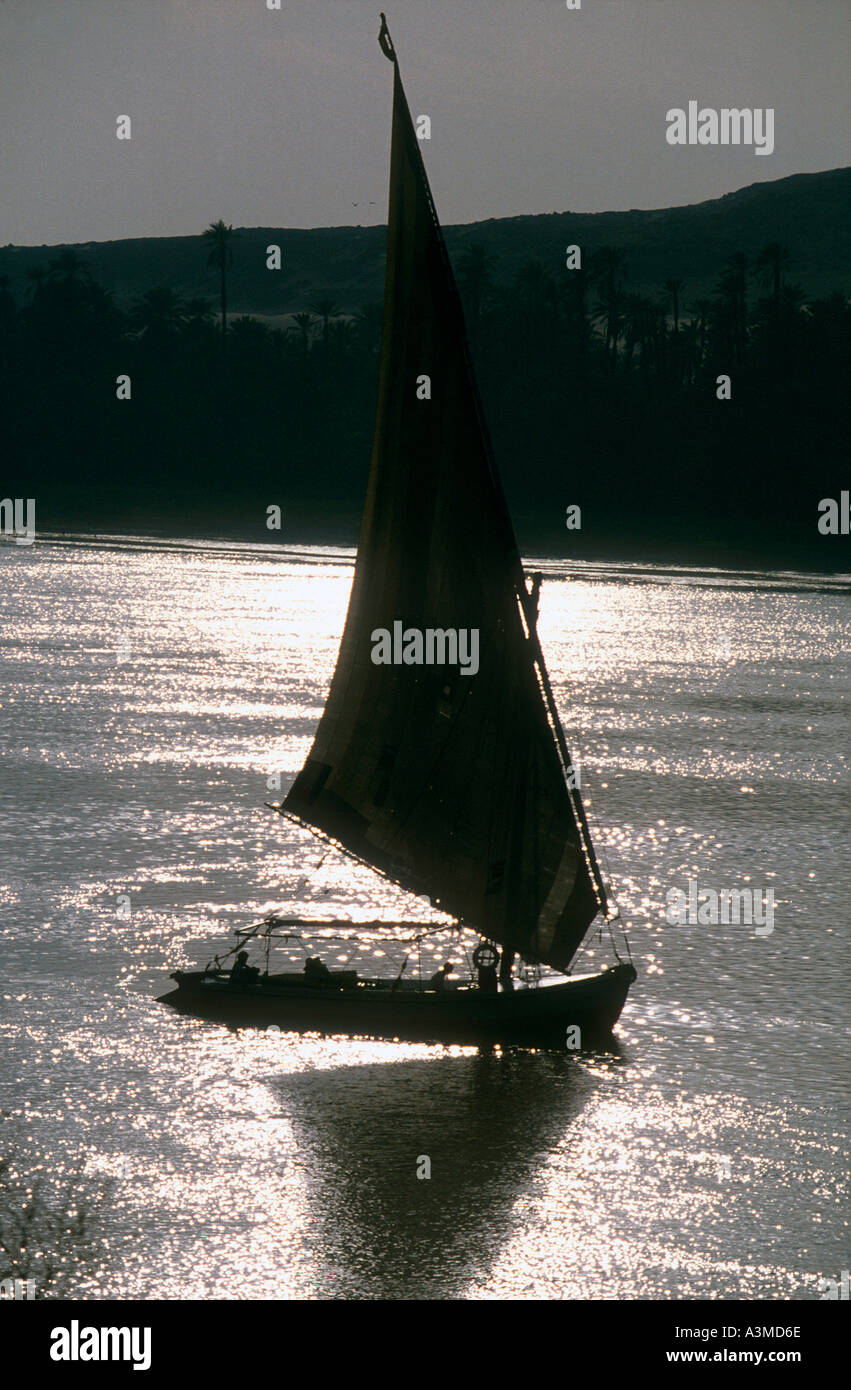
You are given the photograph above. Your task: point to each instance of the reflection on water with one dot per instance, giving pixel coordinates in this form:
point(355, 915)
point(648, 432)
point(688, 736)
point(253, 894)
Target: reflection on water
point(153, 698)
point(483, 1123)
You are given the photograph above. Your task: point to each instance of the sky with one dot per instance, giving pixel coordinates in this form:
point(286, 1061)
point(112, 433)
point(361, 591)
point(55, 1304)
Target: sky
point(281, 118)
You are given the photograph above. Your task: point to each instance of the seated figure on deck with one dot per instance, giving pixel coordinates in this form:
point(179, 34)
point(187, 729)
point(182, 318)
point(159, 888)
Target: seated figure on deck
point(241, 971)
point(439, 979)
point(486, 979)
point(316, 970)
point(505, 969)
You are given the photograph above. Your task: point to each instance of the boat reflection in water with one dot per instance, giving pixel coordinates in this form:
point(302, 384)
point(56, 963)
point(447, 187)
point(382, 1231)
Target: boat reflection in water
point(416, 1172)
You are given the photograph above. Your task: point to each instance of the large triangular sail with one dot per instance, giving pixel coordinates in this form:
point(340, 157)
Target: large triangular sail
point(451, 784)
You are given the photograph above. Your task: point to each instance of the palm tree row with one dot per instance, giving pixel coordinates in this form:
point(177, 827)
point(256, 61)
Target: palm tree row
point(590, 311)
point(575, 366)
point(635, 328)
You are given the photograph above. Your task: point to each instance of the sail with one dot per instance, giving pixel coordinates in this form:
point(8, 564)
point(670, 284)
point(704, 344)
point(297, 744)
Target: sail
point(446, 780)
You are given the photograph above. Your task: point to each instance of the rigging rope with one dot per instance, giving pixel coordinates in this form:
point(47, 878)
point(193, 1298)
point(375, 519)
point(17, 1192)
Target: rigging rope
point(592, 820)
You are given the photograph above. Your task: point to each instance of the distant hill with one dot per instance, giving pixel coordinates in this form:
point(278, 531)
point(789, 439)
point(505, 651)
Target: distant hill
point(807, 212)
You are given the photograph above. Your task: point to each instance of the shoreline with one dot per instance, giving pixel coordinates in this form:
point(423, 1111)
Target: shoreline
point(635, 562)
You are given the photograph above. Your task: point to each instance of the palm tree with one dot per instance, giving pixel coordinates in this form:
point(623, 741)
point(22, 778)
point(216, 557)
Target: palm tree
point(733, 288)
point(304, 323)
point(674, 289)
point(219, 238)
point(249, 338)
point(609, 309)
point(157, 314)
point(639, 324)
point(198, 310)
point(37, 275)
point(574, 294)
point(197, 318)
point(324, 309)
point(538, 290)
point(67, 267)
point(688, 349)
point(771, 262)
point(608, 269)
point(703, 308)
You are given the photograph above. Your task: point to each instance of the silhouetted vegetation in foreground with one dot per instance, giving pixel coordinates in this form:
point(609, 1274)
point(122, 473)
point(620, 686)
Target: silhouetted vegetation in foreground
point(51, 1229)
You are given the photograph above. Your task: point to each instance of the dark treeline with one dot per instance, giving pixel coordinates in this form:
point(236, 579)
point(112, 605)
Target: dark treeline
point(596, 395)
point(611, 396)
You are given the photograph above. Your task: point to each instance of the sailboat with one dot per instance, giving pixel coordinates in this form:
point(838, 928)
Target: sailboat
point(453, 781)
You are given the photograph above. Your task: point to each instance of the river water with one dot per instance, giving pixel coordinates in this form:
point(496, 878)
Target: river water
point(153, 693)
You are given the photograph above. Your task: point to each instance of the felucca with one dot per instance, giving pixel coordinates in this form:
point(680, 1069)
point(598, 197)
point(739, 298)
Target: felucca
point(454, 783)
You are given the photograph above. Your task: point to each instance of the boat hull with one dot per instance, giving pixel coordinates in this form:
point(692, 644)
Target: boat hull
point(537, 1017)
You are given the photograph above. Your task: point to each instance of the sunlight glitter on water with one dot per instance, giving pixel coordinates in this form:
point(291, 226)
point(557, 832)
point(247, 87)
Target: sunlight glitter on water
point(156, 691)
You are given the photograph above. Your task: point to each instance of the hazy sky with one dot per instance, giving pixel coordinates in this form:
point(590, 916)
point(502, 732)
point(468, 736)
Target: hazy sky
point(282, 118)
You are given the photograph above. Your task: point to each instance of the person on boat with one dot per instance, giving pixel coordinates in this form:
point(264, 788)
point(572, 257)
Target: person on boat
point(241, 971)
point(534, 598)
point(316, 969)
point(505, 969)
point(439, 980)
point(486, 979)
